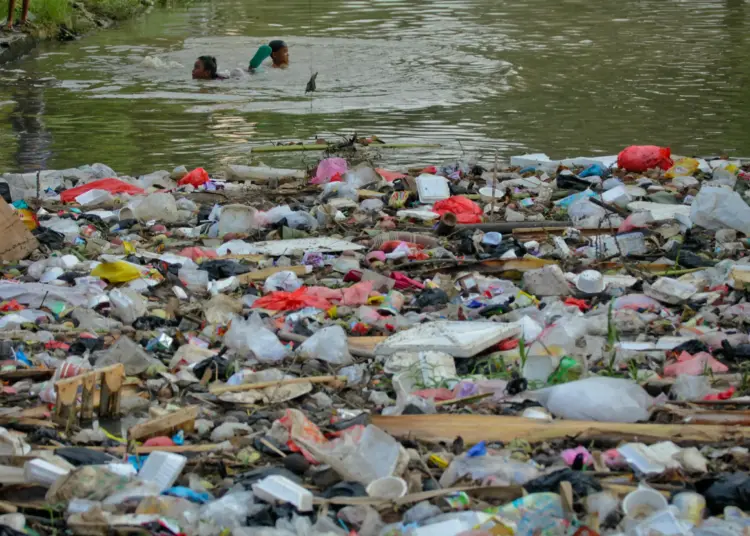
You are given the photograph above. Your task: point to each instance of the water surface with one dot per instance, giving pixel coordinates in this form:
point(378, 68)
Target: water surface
point(566, 77)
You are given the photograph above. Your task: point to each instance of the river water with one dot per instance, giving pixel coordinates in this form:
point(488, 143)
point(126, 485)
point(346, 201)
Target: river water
point(566, 77)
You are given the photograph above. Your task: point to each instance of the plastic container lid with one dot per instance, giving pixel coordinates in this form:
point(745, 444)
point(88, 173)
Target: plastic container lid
point(432, 188)
point(590, 282)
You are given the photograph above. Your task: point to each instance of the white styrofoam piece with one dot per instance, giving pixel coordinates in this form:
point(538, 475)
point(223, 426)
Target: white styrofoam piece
point(277, 248)
point(278, 488)
point(42, 472)
point(162, 468)
point(459, 339)
point(432, 188)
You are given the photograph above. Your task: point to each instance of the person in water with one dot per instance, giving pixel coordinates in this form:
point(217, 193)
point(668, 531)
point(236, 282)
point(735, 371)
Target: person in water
point(205, 68)
point(277, 50)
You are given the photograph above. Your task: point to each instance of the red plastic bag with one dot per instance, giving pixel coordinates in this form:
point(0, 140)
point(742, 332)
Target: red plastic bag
point(466, 210)
point(291, 301)
point(113, 186)
point(196, 177)
point(643, 157)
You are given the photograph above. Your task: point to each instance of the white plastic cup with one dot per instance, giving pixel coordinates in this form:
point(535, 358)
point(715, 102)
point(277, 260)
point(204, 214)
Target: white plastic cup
point(590, 282)
point(643, 502)
point(389, 487)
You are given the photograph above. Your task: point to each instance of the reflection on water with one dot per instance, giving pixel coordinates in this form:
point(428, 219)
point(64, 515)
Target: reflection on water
point(563, 76)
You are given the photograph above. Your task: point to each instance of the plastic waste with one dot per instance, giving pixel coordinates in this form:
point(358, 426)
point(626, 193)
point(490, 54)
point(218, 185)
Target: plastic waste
point(329, 345)
point(432, 188)
point(239, 219)
point(162, 469)
point(586, 214)
point(116, 272)
point(286, 281)
point(328, 169)
point(245, 336)
point(278, 488)
point(683, 167)
point(490, 470)
point(197, 177)
point(717, 208)
point(130, 354)
point(644, 157)
point(466, 210)
point(111, 185)
point(158, 206)
point(597, 399)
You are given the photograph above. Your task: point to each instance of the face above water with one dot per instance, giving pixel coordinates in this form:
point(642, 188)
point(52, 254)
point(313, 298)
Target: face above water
point(200, 72)
point(280, 57)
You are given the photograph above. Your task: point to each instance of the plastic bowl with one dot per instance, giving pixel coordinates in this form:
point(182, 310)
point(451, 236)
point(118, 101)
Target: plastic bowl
point(389, 487)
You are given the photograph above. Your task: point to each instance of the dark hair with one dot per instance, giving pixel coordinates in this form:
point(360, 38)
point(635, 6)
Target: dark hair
point(209, 64)
point(277, 45)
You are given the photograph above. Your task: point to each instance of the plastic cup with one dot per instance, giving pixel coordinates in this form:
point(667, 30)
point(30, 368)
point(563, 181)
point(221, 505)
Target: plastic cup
point(389, 487)
point(590, 282)
point(691, 506)
point(643, 502)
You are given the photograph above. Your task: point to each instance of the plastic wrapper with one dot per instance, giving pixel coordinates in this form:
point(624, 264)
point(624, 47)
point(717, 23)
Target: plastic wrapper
point(245, 336)
point(329, 344)
point(490, 470)
point(597, 399)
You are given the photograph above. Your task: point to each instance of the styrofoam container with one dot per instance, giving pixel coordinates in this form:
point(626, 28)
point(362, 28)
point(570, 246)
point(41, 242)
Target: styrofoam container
point(590, 282)
point(643, 502)
point(432, 188)
point(162, 468)
point(42, 472)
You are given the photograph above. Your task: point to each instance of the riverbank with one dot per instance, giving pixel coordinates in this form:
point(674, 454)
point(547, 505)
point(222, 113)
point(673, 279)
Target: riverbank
point(66, 20)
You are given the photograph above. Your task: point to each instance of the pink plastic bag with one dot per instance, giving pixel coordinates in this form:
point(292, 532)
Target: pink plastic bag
point(328, 168)
point(643, 157)
point(694, 365)
point(569, 455)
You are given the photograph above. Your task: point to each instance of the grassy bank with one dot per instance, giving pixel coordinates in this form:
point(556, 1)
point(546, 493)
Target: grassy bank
point(50, 18)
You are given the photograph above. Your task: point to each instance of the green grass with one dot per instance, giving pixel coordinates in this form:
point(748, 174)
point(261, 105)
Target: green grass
point(44, 11)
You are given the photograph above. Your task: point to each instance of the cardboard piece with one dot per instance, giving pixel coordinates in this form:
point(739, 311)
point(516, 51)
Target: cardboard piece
point(16, 241)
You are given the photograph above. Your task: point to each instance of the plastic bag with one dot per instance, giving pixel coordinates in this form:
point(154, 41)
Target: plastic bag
point(290, 301)
point(644, 157)
point(718, 208)
point(116, 272)
point(158, 206)
point(231, 510)
point(683, 167)
point(251, 335)
point(329, 344)
point(328, 168)
point(466, 210)
point(597, 399)
point(286, 280)
point(724, 490)
point(492, 470)
point(195, 178)
point(113, 186)
point(584, 213)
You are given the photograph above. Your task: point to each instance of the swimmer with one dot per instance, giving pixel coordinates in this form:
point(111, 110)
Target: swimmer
point(276, 50)
point(205, 68)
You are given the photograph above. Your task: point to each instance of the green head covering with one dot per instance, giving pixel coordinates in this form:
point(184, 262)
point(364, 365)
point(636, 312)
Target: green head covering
point(260, 56)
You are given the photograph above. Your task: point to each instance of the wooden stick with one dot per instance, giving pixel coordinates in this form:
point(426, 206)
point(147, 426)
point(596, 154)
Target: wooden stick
point(263, 385)
point(325, 147)
point(472, 398)
point(183, 419)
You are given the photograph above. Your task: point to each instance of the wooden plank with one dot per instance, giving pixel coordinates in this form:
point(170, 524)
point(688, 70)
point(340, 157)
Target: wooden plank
point(476, 428)
point(183, 419)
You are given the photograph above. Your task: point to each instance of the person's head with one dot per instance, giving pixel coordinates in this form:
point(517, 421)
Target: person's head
point(279, 53)
point(205, 68)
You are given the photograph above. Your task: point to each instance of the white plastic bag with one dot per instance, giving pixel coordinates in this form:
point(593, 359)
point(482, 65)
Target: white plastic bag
point(286, 281)
point(251, 335)
point(718, 208)
point(158, 206)
point(329, 344)
point(597, 399)
point(127, 305)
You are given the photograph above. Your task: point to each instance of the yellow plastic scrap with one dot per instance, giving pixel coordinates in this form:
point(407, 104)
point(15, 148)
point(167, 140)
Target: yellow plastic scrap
point(128, 247)
point(682, 168)
point(116, 272)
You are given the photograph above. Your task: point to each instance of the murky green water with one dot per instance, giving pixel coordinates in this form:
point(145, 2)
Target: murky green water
point(567, 77)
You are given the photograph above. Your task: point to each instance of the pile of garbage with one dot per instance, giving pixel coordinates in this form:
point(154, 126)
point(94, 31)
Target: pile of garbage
point(539, 348)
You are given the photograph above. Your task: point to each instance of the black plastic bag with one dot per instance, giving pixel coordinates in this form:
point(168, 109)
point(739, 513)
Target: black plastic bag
point(5, 192)
point(584, 484)
point(52, 239)
point(431, 296)
point(728, 489)
point(221, 269)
